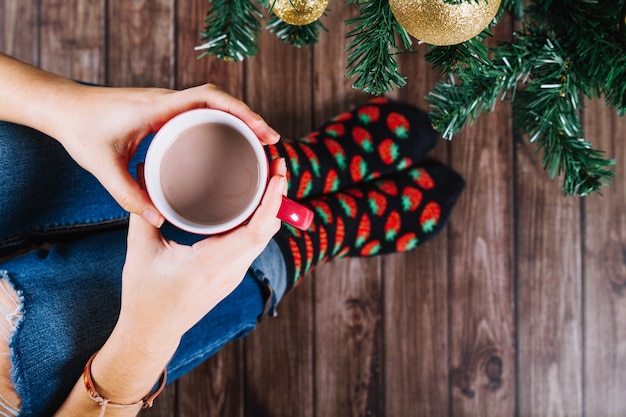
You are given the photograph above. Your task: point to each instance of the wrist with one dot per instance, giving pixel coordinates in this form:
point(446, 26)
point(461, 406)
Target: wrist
point(128, 366)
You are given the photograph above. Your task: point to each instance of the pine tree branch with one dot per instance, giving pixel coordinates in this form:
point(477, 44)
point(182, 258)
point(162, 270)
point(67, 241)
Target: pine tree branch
point(231, 30)
point(373, 48)
point(548, 111)
point(472, 54)
point(298, 36)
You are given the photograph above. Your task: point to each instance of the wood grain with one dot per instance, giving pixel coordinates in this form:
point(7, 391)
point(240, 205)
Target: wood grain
point(416, 286)
point(279, 354)
point(430, 333)
point(191, 71)
point(482, 287)
point(605, 273)
point(73, 39)
point(141, 47)
point(348, 305)
point(549, 295)
point(19, 30)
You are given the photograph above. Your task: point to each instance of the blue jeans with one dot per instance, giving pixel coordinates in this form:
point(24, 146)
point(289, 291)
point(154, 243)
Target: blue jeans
point(69, 292)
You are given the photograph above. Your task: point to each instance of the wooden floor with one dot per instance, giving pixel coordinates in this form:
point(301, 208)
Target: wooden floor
point(517, 309)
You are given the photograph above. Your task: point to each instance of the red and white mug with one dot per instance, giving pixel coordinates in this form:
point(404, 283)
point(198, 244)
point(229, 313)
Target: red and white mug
point(206, 172)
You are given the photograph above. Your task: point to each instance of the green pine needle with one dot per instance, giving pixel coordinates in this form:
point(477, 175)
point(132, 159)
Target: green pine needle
point(372, 48)
point(298, 36)
point(231, 30)
point(543, 82)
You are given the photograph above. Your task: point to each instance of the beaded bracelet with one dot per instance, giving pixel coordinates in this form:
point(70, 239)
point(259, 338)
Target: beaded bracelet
point(146, 402)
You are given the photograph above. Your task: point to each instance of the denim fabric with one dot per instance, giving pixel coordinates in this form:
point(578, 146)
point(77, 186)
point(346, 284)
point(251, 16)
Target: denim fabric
point(70, 293)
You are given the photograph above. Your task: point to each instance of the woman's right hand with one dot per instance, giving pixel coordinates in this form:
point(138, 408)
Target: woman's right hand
point(167, 288)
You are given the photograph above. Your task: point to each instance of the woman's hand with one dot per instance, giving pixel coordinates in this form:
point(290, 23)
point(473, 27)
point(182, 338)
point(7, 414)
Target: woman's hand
point(102, 127)
point(108, 124)
point(166, 289)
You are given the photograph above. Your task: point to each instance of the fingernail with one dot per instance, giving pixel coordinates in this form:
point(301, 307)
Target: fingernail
point(282, 185)
point(282, 167)
point(152, 217)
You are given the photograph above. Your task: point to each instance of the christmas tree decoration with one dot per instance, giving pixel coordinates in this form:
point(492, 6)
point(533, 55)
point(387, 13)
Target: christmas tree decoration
point(298, 36)
point(564, 51)
point(439, 23)
point(299, 12)
point(373, 48)
point(232, 28)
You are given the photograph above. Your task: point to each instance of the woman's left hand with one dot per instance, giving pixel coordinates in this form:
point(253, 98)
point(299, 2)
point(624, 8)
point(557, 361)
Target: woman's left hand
point(108, 124)
point(102, 127)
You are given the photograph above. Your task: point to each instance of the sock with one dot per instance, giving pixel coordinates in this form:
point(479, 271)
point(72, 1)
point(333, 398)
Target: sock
point(394, 213)
point(374, 140)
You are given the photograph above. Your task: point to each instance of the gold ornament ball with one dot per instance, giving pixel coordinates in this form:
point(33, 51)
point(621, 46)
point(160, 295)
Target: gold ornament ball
point(439, 23)
point(299, 12)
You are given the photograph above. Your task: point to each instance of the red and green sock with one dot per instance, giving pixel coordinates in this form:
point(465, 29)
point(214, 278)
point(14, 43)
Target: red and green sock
point(374, 140)
point(393, 213)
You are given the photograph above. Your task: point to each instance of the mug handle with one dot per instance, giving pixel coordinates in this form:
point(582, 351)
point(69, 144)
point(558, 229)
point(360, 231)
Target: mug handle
point(295, 214)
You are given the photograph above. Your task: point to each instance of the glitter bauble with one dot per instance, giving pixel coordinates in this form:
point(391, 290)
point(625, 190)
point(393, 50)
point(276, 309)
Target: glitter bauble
point(299, 12)
point(439, 23)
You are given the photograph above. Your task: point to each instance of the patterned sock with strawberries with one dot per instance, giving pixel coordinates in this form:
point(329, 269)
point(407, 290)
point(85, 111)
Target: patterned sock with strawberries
point(391, 214)
point(374, 140)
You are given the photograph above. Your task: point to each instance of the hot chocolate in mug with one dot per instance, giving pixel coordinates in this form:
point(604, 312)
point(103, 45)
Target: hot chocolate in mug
point(206, 172)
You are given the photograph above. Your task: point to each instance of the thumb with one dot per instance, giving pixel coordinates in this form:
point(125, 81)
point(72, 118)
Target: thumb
point(141, 234)
point(132, 197)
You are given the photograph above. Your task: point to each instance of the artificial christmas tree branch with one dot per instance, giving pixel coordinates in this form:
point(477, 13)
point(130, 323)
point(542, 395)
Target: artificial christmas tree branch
point(373, 48)
point(298, 36)
point(564, 52)
point(231, 30)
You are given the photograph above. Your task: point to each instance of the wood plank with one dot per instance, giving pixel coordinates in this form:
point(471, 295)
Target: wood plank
point(482, 287)
point(349, 343)
point(165, 405)
point(279, 354)
point(215, 388)
point(605, 273)
point(19, 30)
point(348, 303)
point(191, 71)
point(549, 294)
point(416, 293)
point(141, 43)
point(73, 39)
point(333, 92)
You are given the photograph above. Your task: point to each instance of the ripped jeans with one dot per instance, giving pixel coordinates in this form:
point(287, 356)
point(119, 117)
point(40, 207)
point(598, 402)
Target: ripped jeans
point(68, 289)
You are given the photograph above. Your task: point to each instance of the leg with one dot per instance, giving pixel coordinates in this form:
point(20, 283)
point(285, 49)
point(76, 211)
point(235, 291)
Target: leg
point(45, 192)
point(70, 299)
point(391, 214)
point(374, 140)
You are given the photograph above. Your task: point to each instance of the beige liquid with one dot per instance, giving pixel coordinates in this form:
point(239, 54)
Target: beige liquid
point(209, 174)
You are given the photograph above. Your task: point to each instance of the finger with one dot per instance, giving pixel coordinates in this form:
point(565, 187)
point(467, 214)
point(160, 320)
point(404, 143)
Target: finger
point(247, 241)
point(264, 224)
point(132, 197)
point(215, 98)
point(142, 235)
point(278, 166)
point(209, 95)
